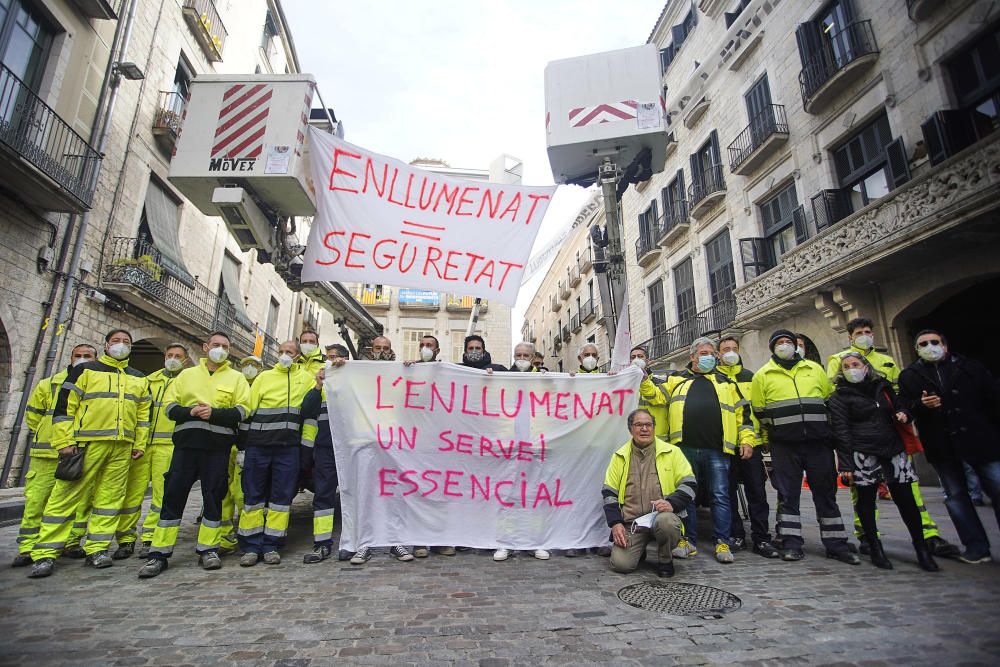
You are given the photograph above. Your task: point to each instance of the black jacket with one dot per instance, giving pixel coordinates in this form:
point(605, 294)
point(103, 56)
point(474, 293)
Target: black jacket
point(863, 419)
point(484, 363)
point(968, 422)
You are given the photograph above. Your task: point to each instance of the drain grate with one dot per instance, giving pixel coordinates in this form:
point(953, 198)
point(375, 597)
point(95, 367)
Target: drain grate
point(679, 599)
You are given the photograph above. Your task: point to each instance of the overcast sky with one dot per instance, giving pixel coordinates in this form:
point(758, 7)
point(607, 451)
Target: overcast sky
point(460, 81)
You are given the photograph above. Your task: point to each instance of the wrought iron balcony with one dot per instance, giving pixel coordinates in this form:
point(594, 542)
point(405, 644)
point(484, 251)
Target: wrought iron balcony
point(707, 191)
point(555, 303)
point(575, 324)
point(586, 260)
point(574, 276)
point(717, 317)
point(372, 297)
point(646, 250)
point(674, 223)
point(44, 161)
point(759, 140)
point(566, 335)
point(675, 340)
point(136, 272)
point(564, 291)
point(587, 311)
point(203, 19)
point(167, 121)
point(836, 64)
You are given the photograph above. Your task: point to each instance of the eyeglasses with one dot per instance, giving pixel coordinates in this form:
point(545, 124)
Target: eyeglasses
point(642, 425)
point(925, 343)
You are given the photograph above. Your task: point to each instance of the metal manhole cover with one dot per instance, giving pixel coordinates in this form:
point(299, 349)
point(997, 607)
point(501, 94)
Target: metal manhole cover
point(679, 599)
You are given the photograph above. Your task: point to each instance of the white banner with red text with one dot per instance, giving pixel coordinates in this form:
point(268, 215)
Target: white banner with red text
point(381, 221)
point(440, 454)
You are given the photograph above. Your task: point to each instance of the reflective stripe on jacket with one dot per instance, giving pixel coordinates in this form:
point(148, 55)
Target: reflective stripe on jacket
point(161, 429)
point(226, 390)
point(315, 420)
point(38, 415)
point(276, 408)
point(743, 378)
point(791, 403)
point(677, 482)
point(102, 400)
point(736, 427)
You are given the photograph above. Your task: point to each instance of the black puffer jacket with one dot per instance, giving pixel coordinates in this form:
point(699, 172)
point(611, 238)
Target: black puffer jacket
point(862, 416)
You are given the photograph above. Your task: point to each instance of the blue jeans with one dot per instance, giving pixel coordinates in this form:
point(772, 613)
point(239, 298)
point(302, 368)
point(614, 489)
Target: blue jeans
point(959, 503)
point(711, 469)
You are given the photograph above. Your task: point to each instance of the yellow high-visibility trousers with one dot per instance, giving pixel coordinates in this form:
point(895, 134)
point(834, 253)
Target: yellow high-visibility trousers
point(39, 481)
point(105, 473)
point(135, 491)
point(232, 501)
point(159, 456)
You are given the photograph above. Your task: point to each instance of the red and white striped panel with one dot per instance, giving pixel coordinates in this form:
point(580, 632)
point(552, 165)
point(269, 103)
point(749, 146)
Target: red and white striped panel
point(609, 112)
point(242, 121)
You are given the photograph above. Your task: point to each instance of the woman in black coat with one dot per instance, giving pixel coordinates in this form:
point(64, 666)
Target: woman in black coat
point(863, 414)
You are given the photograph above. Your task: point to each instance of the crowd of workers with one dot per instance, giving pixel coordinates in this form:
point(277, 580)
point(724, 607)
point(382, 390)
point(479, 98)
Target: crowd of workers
point(254, 437)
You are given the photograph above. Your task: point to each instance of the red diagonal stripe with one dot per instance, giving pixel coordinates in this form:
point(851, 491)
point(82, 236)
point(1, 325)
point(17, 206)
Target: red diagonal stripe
point(239, 100)
point(630, 103)
point(252, 138)
point(242, 114)
point(236, 134)
point(247, 106)
point(232, 91)
point(603, 108)
point(574, 112)
point(255, 152)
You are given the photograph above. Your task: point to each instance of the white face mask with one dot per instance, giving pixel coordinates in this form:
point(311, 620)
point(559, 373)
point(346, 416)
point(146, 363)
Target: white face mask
point(855, 374)
point(864, 342)
point(784, 351)
point(589, 363)
point(308, 349)
point(639, 362)
point(730, 358)
point(285, 360)
point(427, 353)
point(173, 364)
point(119, 351)
point(522, 364)
point(81, 360)
point(218, 355)
point(931, 352)
point(801, 351)
point(250, 372)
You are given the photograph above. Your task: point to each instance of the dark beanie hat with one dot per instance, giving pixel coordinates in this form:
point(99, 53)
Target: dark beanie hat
point(780, 333)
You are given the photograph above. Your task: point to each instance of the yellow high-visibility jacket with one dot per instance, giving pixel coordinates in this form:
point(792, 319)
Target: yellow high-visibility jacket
point(883, 364)
point(677, 482)
point(312, 364)
point(791, 403)
point(161, 426)
point(276, 408)
point(652, 398)
point(737, 429)
point(225, 390)
point(38, 415)
point(743, 377)
point(102, 400)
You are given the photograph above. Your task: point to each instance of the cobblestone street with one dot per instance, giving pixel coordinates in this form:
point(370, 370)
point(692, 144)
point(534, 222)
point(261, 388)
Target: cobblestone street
point(468, 610)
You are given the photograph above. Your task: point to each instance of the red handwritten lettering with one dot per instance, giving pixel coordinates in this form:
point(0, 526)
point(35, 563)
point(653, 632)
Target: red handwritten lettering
point(336, 171)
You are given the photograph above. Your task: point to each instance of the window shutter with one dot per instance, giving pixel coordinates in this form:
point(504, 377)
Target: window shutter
point(681, 194)
point(678, 34)
point(695, 171)
point(934, 138)
point(800, 225)
point(808, 39)
point(899, 167)
point(828, 208)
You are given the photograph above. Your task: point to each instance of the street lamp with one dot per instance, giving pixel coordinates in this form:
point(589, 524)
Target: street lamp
point(129, 70)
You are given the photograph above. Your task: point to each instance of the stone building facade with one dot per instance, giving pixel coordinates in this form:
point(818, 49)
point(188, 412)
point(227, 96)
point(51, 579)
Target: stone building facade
point(151, 262)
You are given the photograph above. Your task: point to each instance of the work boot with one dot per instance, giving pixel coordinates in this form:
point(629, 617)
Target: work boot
point(99, 560)
point(941, 547)
point(41, 568)
point(74, 552)
point(684, 549)
point(226, 551)
point(766, 549)
point(844, 556)
point(210, 561)
point(792, 554)
point(421, 552)
point(344, 554)
point(604, 551)
point(878, 556)
point(442, 551)
point(723, 553)
point(152, 567)
point(272, 558)
point(21, 560)
point(738, 544)
point(665, 570)
point(924, 557)
point(124, 551)
point(317, 555)
point(865, 549)
point(249, 559)
point(143, 550)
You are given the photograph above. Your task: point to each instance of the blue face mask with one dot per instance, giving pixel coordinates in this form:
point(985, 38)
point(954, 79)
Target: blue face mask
point(706, 362)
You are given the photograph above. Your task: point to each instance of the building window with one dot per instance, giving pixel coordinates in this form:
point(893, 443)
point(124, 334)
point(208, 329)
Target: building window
point(687, 306)
point(158, 224)
point(776, 220)
point(678, 34)
point(25, 39)
point(706, 169)
point(458, 347)
point(273, 309)
point(975, 79)
point(861, 165)
point(721, 274)
point(411, 342)
point(674, 204)
point(647, 223)
point(657, 313)
point(229, 288)
point(733, 14)
point(269, 33)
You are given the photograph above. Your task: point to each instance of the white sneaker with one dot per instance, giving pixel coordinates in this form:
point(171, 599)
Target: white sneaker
point(541, 554)
point(501, 555)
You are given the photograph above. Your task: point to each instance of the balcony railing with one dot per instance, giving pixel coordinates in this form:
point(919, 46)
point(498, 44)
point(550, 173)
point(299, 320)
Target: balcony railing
point(574, 323)
point(717, 317)
point(203, 19)
point(564, 290)
point(674, 223)
point(707, 190)
point(839, 54)
point(373, 297)
point(646, 250)
point(457, 302)
point(758, 139)
point(587, 311)
point(35, 133)
point(586, 260)
point(566, 335)
point(555, 303)
point(137, 265)
point(714, 319)
point(167, 121)
point(574, 276)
